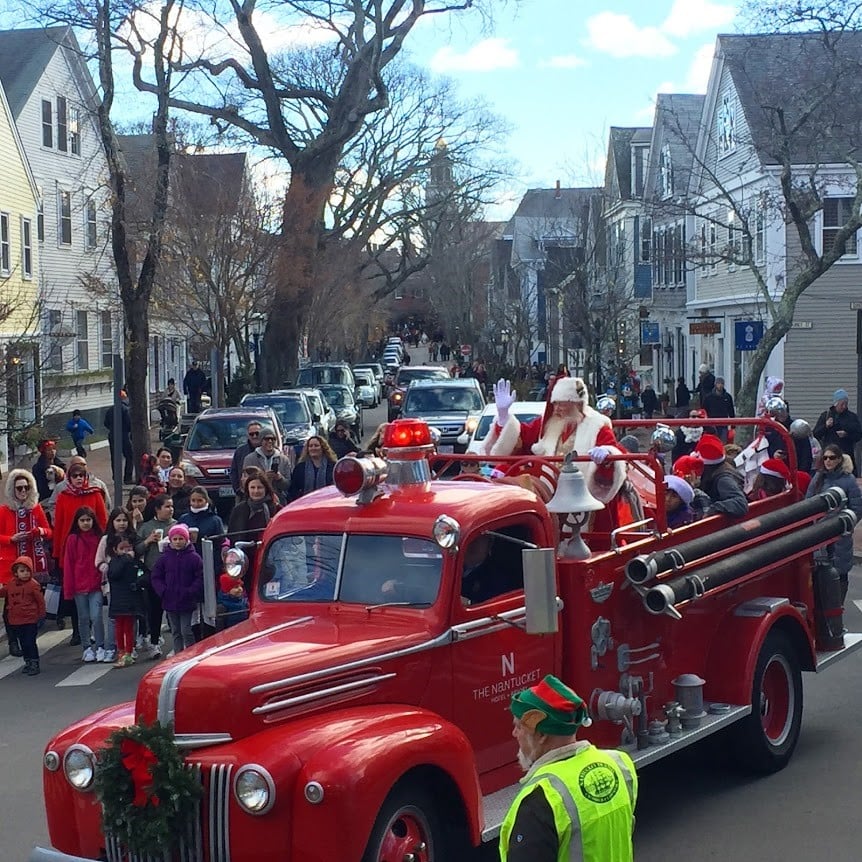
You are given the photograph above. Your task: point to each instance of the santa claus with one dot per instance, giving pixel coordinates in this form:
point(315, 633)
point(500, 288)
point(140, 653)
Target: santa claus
point(569, 424)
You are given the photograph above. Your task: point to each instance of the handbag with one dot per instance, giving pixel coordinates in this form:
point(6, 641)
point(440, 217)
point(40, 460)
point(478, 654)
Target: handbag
point(53, 594)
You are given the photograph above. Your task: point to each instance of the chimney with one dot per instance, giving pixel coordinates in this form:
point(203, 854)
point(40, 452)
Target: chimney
point(558, 194)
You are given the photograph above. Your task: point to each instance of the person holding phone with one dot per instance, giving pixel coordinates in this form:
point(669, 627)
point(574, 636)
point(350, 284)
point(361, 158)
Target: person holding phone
point(840, 425)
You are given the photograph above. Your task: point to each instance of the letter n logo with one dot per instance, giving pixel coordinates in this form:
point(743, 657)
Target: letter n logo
point(508, 664)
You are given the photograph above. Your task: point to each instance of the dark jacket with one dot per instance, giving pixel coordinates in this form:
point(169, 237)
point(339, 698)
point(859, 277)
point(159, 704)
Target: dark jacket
point(194, 382)
point(127, 591)
point(297, 479)
point(38, 470)
point(343, 445)
point(649, 400)
point(848, 422)
point(181, 499)
point(126, 418)
point(208, 524)
point(724, 485)
point(247, 526)
point(842, 550)
point(242, 452)
point(178, 579)
point(704, 386)
point(719, 405)
point(683, 395)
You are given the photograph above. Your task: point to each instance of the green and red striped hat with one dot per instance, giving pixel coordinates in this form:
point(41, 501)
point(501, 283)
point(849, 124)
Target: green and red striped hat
point(550, 707)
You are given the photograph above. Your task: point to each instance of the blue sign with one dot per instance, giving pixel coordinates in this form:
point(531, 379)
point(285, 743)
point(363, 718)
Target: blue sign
point(747, 334)
point(650, 333)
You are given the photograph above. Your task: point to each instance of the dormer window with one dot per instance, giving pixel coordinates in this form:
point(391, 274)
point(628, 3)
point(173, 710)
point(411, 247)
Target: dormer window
point(726, 120)
point(666, 172)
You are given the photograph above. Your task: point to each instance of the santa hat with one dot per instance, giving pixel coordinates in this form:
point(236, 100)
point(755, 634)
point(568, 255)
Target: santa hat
point(179, 530)
point(687, 464)
point(550, 707)
point(803, 480)
point(775, 467)
point(569, 389)
point(710, 449)
point(681, 488)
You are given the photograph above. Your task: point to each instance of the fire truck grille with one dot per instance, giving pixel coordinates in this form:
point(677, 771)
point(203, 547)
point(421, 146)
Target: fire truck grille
point(207, 838)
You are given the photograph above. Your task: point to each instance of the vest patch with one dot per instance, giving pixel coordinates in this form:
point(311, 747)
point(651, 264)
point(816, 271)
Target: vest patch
point(598, 782)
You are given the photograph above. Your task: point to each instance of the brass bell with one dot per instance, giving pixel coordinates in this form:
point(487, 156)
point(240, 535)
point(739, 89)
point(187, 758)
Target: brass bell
point(571, 494)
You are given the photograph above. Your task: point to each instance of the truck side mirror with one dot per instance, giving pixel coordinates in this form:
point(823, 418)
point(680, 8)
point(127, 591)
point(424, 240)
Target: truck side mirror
point(540, 590)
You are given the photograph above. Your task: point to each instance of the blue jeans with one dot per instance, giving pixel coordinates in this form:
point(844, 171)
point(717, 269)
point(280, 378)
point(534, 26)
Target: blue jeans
point(89, 606)
point(181, 628)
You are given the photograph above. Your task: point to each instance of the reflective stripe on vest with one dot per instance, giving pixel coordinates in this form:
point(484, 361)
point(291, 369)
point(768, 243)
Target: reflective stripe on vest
point(592, 816)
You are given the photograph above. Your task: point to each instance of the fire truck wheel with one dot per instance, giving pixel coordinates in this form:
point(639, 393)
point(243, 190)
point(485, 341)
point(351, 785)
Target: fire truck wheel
point(408, 827)
point(769, 735)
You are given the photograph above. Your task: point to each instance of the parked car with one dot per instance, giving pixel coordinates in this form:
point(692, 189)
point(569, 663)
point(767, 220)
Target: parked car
point(367, 391)
point(525, 411)
point(404, 377)
point(340, 398)
point(292, 408)
point(209, 446)
point(376, 369)
point(452, 406)
point(321, 409)
point(325, 372)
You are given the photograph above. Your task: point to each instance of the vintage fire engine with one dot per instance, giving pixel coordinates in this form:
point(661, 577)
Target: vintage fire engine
point(361, 713)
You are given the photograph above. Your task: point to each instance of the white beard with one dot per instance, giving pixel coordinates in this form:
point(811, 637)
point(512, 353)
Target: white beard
point(552, 432)
point(692, 435)
point(524, 761)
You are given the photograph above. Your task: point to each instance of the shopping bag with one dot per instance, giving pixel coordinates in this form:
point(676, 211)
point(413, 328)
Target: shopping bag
point(53, 594)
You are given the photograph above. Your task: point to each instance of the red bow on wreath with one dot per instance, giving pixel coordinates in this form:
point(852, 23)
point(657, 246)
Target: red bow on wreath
point(139, 760)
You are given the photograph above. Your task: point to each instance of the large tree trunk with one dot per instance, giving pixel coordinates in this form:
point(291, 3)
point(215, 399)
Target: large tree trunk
point(137, 362)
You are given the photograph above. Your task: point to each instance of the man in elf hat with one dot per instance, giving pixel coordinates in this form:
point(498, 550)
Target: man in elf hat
point(720, 479)
point(572, 791)
point(569, 424)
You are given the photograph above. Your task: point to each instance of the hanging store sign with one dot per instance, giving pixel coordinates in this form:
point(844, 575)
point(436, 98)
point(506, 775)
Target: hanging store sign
point(747, 334)
point(650, 332)
point(705, 327)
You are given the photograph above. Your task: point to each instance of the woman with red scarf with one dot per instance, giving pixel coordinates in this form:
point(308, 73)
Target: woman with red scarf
point(24, 532)
point(76, 494)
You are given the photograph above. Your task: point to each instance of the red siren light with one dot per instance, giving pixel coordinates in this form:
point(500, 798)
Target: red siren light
point(357, 475)
point(407, 433)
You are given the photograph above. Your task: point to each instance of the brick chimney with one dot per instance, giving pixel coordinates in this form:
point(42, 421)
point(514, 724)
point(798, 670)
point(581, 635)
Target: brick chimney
point(557, 193)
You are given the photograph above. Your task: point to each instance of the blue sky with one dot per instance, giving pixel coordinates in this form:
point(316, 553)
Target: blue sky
point(561, 72)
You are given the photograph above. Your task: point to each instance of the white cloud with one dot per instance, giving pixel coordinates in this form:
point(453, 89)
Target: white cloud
point(700, 68)
point(619, 36)
point(563, 61)
point(687, 17)
point(484, 56)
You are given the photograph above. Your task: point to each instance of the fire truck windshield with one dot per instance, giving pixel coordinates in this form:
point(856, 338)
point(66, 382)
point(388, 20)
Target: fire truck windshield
point(360, 569)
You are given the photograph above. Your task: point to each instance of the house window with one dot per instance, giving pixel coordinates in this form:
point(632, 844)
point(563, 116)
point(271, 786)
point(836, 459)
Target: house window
point(679, 255)
point(726, 131)
point(704, 264)
point(47, 124)
point(666, 172)
point(759, 251)
point(27, 247)
point(54, 346)
point(75, 132)
point(91, 228)
point(713, 244)
point(734, 240)
point(40, 219)
point(668, 256)
point(106, 325)
point(82, 353)
point(656, 263)
point(836, 213)
point(646, 241)
point(62, 124)
point(5, 245)
point(64, 212)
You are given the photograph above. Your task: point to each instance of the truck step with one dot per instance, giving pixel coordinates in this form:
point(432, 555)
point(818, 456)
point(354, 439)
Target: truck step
point(852, 642)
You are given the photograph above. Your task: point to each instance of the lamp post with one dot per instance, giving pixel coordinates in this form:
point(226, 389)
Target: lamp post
point(256, 325)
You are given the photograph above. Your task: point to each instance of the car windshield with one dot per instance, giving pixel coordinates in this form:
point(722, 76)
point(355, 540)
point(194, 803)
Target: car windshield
point(407, 375)
point(363, 378)
point(442, 399)
point(291, 411)
point(486, 421)
point(338, 397)
point(324, 374)
point(373, 569)
point(218, 432)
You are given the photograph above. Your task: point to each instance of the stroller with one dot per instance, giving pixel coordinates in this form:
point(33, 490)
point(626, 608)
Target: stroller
point(168, 417)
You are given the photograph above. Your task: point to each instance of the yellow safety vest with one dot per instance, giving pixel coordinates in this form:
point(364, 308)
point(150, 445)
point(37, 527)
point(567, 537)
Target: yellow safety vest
point(592, 795)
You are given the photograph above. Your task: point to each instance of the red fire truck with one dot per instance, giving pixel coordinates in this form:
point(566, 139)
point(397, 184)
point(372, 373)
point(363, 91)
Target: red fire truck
point(361, 713)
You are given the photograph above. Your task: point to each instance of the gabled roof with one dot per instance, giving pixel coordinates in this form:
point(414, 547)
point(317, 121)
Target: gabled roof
point(208, 181)
point(793, 74)
point(553, 203)
point(24, 56)
point(678, 117)
point(618, 168)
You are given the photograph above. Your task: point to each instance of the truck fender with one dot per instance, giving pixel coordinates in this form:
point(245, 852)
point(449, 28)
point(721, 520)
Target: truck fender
point(733, 656)
point(370, 750)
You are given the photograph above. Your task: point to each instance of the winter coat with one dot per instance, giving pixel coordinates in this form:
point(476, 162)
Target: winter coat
point(40, 465)
point(301, 484)
point(280, 463)
point(150, 553)
point(80, 573)
point(93, 481)
point(127, 591)
point(178, 579)
point(78, 429)
point(68, 502)
point(235, 609)
point(208, 524)
point(24, 602)
point(29, 518)
point(719, 405)
point(181, 499)
point(247, 526)
point(842, 477)
point(848, 422)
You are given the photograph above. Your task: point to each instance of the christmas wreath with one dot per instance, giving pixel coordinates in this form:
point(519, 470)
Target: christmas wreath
point(148, 796)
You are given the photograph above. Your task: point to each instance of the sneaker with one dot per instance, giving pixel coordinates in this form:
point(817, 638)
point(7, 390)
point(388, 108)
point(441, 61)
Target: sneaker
point(89, 655)
point(155, 651)
point(121, 661)
point(100, 654)
point(75, 640)
point(110, 656)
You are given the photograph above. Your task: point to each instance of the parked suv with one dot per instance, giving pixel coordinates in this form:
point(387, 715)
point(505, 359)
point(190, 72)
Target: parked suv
point(453, 407)
point(405, 375)
point(209, 446)
point(327, 373)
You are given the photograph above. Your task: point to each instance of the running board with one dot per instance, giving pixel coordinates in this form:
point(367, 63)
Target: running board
point(496, 804)
point(823, 660)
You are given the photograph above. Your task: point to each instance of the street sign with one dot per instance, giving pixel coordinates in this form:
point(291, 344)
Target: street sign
point(466, 349)
point(650, 333)
point(747, 334)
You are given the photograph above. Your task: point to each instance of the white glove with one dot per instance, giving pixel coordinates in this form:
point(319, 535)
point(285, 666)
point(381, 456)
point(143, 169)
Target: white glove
point(599, 454)
point(504, 398)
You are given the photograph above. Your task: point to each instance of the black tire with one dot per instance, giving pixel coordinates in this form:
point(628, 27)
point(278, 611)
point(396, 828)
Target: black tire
point(408, 819)
point(766, 739)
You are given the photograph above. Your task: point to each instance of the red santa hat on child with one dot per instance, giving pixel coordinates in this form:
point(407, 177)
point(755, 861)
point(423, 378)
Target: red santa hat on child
point(710, 449)
point(775, 467)
point(686, 464)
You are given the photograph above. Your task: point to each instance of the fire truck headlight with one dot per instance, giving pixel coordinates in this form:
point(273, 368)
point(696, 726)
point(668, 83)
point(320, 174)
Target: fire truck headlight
point(446, 532)
point(79, 766)
point(254, 789)
point(52, 761)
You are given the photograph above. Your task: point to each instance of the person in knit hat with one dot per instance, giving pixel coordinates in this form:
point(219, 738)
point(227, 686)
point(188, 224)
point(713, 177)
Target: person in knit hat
point(840, 425)
point(773, 477)
point(721, 481)
point(26, 607)
point(603, 785)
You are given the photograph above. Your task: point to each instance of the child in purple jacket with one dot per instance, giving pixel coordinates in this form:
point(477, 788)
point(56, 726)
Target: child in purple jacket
point(178, 579)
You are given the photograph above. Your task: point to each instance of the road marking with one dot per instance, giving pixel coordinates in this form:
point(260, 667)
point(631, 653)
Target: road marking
point(9, 665)
point(48, 640)
point(858, 603)
point(85, 675)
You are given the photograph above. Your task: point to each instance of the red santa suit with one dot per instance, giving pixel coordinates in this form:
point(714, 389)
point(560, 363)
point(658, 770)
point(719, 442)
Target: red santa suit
point(548, 436)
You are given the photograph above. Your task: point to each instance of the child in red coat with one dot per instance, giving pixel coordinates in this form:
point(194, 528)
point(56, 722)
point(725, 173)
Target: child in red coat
point(26, 607)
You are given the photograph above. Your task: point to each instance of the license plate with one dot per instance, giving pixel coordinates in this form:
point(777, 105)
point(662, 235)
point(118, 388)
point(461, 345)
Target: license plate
point(225, 491)
point(445, 450)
